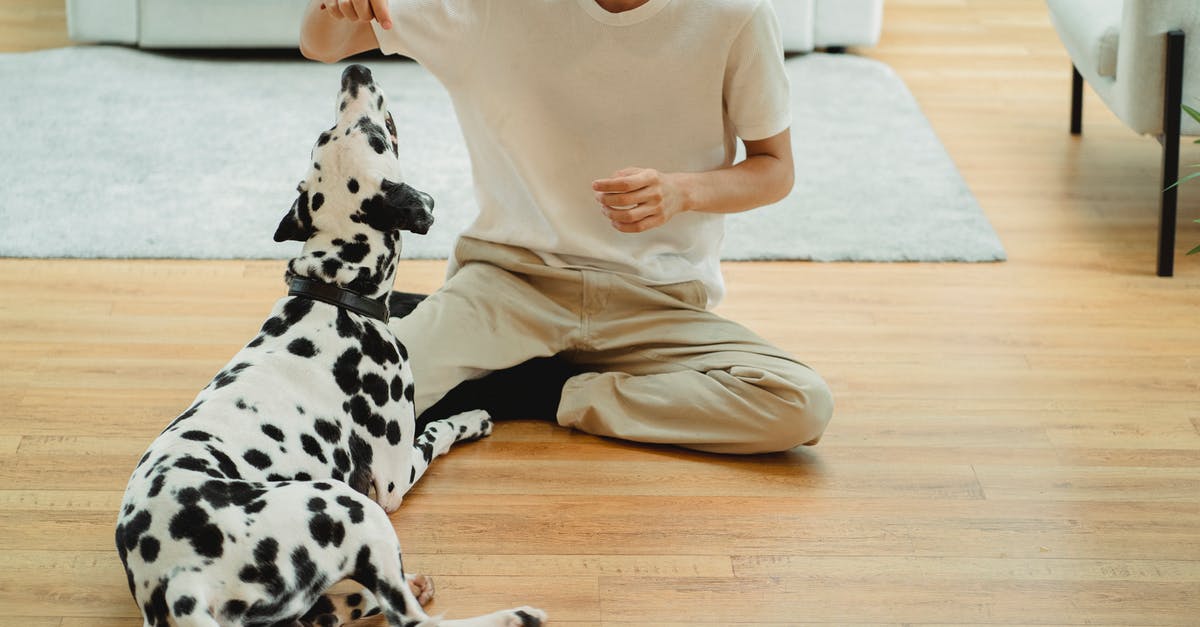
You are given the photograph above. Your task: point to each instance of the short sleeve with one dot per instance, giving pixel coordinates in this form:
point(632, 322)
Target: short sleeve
point(756, 85)
point(441, 35)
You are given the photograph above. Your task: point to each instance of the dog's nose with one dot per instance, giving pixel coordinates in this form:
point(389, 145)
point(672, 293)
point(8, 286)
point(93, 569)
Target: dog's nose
point(356, 75)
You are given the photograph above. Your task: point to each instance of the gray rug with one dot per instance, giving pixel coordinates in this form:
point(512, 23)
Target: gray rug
point(114, 152)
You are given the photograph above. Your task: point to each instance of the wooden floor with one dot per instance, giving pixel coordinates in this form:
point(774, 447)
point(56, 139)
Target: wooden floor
point(1014, 443)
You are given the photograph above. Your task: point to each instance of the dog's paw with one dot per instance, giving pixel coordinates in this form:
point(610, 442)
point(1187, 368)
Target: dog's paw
point(523, 617)
point(388, 499)
point(471, 425)
point(422, 588)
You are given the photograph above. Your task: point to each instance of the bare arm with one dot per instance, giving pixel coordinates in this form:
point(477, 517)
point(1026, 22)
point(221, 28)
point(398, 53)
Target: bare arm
point(765, 176)
point(335, 29)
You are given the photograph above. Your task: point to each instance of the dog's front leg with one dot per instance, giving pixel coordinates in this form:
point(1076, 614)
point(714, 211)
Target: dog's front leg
point(440, 435)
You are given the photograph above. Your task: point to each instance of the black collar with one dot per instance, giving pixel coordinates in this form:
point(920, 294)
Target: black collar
point(339, 297)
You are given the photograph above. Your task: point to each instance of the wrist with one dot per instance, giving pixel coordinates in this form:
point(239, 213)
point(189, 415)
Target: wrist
point(685, 185)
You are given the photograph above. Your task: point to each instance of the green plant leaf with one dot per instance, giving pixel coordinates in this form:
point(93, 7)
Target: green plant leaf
point(1183, 180)
point(1192, 112)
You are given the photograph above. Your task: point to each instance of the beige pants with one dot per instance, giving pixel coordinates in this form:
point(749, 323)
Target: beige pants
point(660, 368)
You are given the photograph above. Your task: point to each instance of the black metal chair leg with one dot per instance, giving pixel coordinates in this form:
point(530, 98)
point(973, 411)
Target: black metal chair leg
point(1076, 101)
point(1172, 99)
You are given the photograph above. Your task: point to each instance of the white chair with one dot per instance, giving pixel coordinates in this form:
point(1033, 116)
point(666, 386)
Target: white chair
point(1142, 57)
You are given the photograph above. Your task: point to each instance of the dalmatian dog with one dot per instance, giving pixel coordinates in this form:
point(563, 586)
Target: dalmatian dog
point(275, 483)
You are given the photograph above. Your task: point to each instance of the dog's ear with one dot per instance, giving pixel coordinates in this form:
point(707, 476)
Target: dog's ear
point(398, 207)
point(296, 224)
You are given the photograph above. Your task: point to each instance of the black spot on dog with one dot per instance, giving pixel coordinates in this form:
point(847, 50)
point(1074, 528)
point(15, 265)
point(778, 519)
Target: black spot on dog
point(318, 199)
point(365, 572)
point(257, 458)
point(325, 530)
point(197, 436)
point(305, 569)
point(302, 347)
point(324, 137)
point(393, 432)
point(375, 134)
point(352, 185)
point(377, 144)
point(352, 252)
point(188, 462)
point(156, 486)
point(329, 431)
point(192, 523)
point(345, 371)
point(274, 326)
point(353, 508)
point(375, 387)
point(360, 460)
point(273, 432)
point(264, 571)
point(234, 608)
point(341, 460)
point(225, 377)
point(224, 462)
point(365, 282)
point(313, 448)
point(396, 388)
point(149, 548)
point(156, 608)
point(362, 414)
point(331, 266)
point(129, 534)
point(347, 327)
point(379, 350)
point(183, 606)
point(296, 309)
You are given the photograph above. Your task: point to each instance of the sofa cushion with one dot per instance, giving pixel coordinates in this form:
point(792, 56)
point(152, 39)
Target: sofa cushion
point(1090, 30)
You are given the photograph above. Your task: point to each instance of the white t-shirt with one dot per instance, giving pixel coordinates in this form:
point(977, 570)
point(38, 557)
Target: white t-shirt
point(554, 94)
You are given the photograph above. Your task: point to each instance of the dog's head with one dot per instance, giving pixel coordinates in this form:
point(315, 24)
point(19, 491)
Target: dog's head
point(353, 202)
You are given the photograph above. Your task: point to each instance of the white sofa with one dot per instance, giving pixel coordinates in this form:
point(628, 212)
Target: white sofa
point(806, 24)
point(1142, 57)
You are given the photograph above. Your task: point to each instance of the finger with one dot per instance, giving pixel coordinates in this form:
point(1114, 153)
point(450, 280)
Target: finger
point(627, 182)
point(622, 201)
point(383, 15)
point(334, 10)
point(363, 9)
point(346, 8)
point(640, 226)
point(629, 216)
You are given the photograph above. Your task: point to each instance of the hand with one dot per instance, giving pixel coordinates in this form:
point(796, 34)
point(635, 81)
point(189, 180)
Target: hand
point(360, 11)
point(639, 199)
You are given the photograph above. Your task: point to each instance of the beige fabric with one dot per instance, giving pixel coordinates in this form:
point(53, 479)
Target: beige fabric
point(661, 368)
